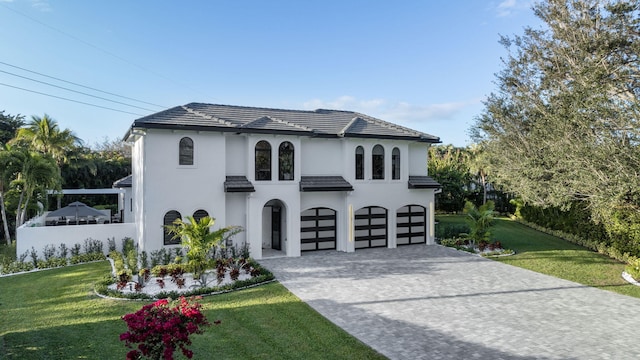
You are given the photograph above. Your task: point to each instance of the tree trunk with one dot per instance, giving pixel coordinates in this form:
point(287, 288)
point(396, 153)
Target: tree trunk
point(19, 209)
point(24, 210)
point(484, 187)
point(5, 225)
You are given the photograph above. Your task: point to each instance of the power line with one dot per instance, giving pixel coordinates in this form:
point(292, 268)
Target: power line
point(75, 91)
point(80, 85)
point(98, 48)
point(72, 100)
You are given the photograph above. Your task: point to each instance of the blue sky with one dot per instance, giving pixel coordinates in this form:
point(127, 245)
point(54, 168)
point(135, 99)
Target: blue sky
point(425, 64)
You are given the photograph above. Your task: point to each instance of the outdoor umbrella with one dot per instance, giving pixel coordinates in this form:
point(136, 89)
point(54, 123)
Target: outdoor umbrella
point(76, 209)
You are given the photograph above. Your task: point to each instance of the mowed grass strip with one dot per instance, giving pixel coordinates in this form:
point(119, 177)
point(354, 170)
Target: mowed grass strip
point(553, 256)
point(54, 314)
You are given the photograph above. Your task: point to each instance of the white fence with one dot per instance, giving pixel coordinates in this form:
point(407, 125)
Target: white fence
point(40, 236)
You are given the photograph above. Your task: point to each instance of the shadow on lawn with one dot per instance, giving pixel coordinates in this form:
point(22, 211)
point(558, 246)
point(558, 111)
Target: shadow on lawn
point(95, 340)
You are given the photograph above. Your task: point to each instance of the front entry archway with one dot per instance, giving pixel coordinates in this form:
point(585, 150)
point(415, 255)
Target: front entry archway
point(274, 221)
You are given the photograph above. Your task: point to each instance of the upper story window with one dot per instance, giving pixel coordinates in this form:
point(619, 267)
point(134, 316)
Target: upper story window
point(169, 218)
point(186, 151)
point(377, 163)
point(199, 214)
point(395, 164)
point(263, 160)
point(359, 163)
point(285, 158)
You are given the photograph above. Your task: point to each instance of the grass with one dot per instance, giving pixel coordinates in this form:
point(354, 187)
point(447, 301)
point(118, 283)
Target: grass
point(54, 314)
point(553, 256)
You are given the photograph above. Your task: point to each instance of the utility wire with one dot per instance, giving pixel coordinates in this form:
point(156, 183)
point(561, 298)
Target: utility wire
point(72, 100)
point(98, 48)
point(80, 85)
point(75, 91)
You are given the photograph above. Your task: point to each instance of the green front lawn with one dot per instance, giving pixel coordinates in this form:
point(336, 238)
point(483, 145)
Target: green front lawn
point(553, 256)
point(55, 315)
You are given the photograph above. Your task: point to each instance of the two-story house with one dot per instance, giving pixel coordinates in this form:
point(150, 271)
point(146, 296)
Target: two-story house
point(294, 180)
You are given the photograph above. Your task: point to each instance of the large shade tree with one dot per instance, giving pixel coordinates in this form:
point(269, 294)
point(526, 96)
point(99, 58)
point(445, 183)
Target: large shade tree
point(563, 125)
point(9, 125)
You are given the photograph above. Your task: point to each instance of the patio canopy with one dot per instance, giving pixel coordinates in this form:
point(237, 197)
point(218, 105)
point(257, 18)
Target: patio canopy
point(76, 209)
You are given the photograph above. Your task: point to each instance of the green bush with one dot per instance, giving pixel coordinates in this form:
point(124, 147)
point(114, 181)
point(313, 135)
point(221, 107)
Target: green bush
point(448, 231)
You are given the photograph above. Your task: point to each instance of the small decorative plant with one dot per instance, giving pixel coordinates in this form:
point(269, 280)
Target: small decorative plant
point(161, 328)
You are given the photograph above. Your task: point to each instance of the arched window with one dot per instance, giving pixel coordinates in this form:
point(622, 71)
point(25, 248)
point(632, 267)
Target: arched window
point(169, 218)
point(186, 151)
point(359, 163)
point(199, 214)
point(263, 160)
point(377, 162)
point(395, 164)
point(285, 158)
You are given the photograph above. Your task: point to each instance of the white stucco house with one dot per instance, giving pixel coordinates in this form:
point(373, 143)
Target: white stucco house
point(295, 180)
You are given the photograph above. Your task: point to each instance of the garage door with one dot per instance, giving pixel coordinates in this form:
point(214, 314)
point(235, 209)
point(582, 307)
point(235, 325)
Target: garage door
point(370, 227)
point(318, 229)
point(411, 228)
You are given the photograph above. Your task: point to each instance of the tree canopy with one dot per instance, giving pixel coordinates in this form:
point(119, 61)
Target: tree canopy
point(41, 156)
point(563, 125)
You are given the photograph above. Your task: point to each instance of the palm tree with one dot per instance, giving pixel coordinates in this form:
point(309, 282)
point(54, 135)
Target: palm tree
point(42, 134)
point(197, 237)
point(479, 219)
point(37, 172)
point(479, 166)
point(10, 165)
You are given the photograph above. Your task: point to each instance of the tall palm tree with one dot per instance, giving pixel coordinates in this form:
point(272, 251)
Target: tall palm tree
point(38, 172)
point(11, 161)
point(42, 134)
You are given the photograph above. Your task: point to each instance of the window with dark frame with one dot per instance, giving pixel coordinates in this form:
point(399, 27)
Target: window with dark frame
point(395, 164)
point(359, 163)
point(186, 151)
point(263, 161)
point(285, 161)
point(377, 163)
point(199, 214)
point(169, 218)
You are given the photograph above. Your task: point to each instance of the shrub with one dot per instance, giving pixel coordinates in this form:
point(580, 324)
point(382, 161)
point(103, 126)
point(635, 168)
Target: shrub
point(144, 259)
point(127, 245)
point(34, 257)
point(448, 231)
point(111, 244)
point(75, 250)
point(160, 330)
point(63, 251)
point(49, 252)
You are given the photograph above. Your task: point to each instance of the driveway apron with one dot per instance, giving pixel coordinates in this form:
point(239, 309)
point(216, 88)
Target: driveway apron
point(432, 302)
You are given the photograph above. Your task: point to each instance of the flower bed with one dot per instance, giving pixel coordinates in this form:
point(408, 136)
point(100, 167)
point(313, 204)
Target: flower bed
point(482, 248)
point(172, 281)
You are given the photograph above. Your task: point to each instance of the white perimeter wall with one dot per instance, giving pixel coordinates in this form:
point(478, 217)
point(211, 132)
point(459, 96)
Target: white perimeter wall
point(41, 236)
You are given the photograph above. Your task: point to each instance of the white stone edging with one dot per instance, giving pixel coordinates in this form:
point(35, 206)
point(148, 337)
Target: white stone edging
point(629, 279)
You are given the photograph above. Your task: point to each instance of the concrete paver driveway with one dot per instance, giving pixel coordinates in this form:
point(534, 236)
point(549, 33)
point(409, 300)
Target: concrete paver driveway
point(431, 302)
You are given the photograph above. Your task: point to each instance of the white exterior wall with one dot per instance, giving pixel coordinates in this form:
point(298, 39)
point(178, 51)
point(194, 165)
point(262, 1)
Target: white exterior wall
point(236, 154)
point(184, 188)
point(322, 157)
point(161, 185)
point(418, 159)
point(137, 189)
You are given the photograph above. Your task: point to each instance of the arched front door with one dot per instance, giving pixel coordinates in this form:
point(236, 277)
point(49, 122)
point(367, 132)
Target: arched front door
point(273, 225)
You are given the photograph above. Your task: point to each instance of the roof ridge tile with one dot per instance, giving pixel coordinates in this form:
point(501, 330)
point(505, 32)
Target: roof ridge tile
point(206, 116)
